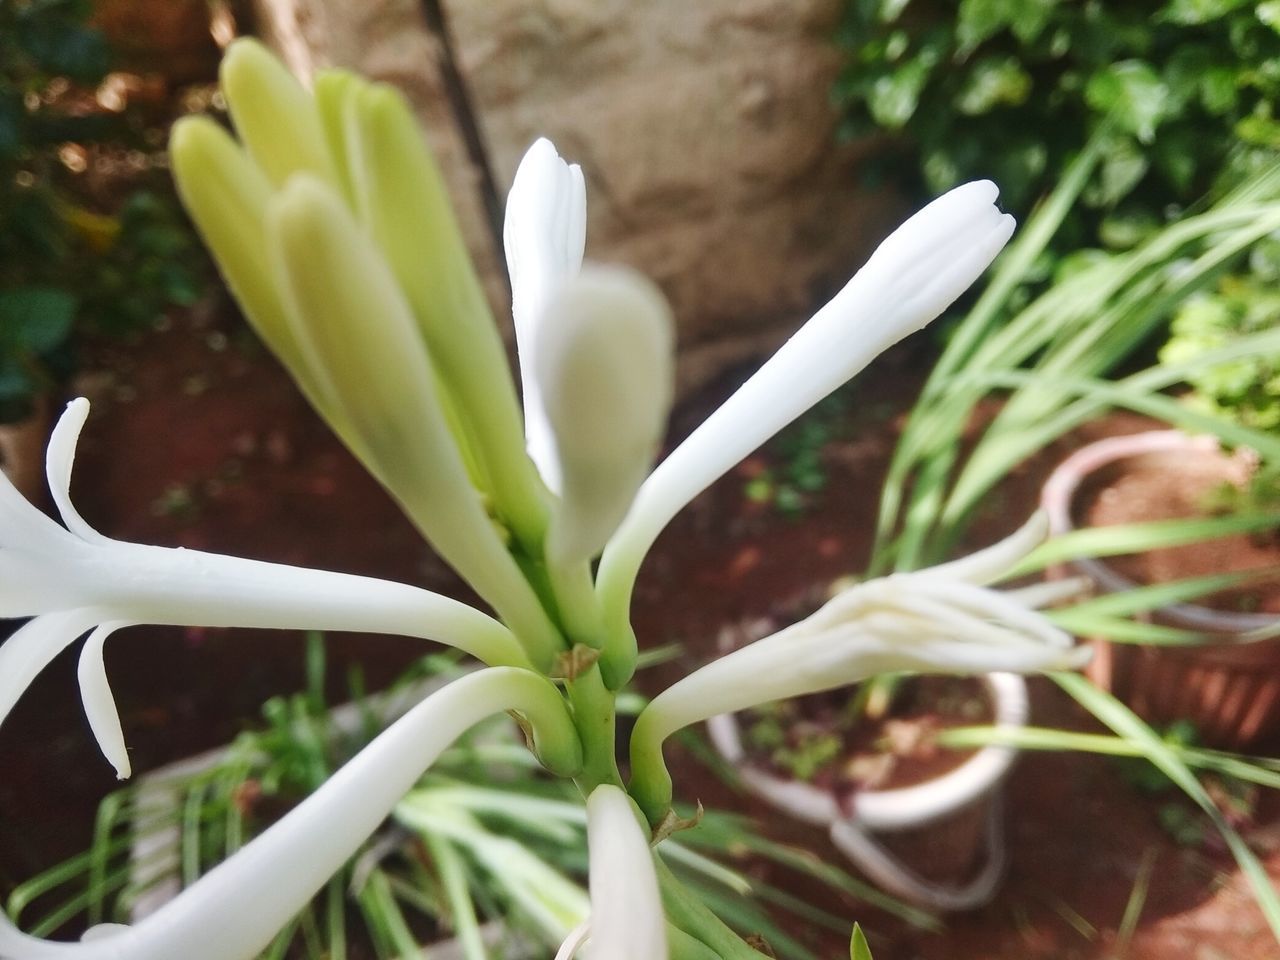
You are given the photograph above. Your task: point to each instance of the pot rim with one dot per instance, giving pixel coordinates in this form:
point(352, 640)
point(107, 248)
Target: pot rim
point(1059, 491)
point(901, 808)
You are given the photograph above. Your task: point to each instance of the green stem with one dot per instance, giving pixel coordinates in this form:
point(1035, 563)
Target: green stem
point(651, 785)
point(594, 715)
point(575, 598)
point(686, 911)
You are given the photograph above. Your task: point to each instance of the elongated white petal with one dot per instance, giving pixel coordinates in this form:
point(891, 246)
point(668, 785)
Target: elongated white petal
point(46, 569)
point(163, 585)
point(58, 463)
point(911, 278)
point(605, 366)
point(925, 621)
point(992, 563)
point(780, 667)
point(1037, 596)
point(33, 647)
point(627, 921)
point(544, 235)
point(99, 704)
point(576, 938)
point(233, 912)
point(24, 527)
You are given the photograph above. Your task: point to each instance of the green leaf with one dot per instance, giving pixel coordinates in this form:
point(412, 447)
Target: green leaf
point(980, 20)
point(858, 948)
point(993, 82)
point(36, 319)
point(1123, 165)
point(1128, 725)
point(1269, 13)
point(1201, 11)
point(1138, 537)
point(890, 10)
point(894, 97)
point(1133, 92)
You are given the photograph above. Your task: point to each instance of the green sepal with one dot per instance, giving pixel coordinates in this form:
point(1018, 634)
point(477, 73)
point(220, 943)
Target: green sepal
point(401, 196)
point(355, 331)
point(274, 115)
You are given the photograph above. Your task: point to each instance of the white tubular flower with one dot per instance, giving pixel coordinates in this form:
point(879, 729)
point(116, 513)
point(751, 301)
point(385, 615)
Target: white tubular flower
point(544, 235)
point(73, 579)
point(234, 911)
point(910, 279)
point(627, 921)
point(937, 620)
point(604, 359)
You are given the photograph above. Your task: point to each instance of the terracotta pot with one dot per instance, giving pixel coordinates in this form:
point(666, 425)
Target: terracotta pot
point(1228, 687)
point(938, 844)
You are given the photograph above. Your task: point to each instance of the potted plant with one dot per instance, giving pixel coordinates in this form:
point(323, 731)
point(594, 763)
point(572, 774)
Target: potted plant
point(483, 830)
point(921, 822)
point(1227, 686)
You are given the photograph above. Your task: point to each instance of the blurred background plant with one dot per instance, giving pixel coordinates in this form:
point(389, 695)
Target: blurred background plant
point(91, 240)
point(1013, 89)
point(487, 850)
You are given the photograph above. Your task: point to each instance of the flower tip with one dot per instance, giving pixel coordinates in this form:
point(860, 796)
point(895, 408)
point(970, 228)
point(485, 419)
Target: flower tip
point(196, 145)
point(304, 205)
point(244, 58)
point(982, 191)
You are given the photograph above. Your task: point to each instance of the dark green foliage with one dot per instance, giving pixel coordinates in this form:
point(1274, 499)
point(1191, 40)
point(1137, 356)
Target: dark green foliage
point(1012, 89)
point(69, 262)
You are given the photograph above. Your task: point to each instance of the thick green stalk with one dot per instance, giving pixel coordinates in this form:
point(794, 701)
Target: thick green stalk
point(686, 911)
point(595, 714)
point(580, 615)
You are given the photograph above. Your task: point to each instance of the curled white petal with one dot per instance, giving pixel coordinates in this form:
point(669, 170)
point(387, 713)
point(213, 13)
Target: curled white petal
point(924, 621)
point(45, 568)
point(911, 278)
point(59, 459)
point(605, 369)
point(234, 911)
point(627, 921)
point(574, 941)
point(1040, 595)
point(544, 235)
point(32, 648)
point(99, 704)
point(992, 563)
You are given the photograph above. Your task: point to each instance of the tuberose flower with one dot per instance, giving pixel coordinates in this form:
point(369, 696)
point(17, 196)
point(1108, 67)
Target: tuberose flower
point(939, 620)
point(910, 279)
point(330, 222)
point(72, 579)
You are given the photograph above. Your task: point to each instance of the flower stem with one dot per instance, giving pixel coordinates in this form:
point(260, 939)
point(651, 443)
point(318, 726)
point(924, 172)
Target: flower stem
point(687, 912)
point(594, 715)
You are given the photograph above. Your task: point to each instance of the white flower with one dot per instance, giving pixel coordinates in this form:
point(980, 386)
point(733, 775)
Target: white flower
point(604, 360)
point(234, 911)
point(73, 579)
point(544, 234)
point(627, 921)
point(939, 620)
point(910, 279)
point(596, 358)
